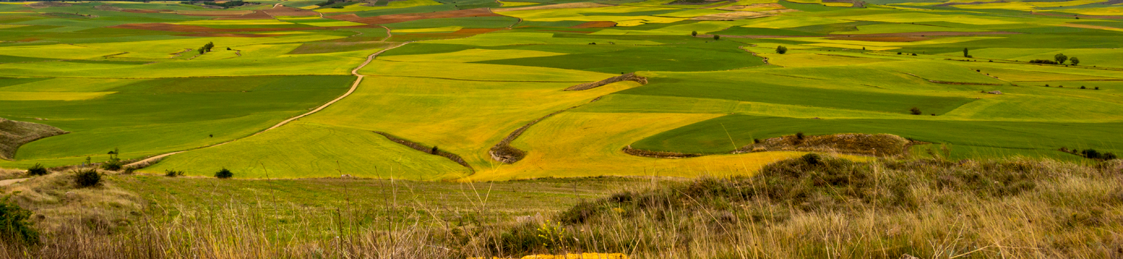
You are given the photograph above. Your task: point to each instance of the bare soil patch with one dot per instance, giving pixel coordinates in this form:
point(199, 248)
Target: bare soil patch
point(423, 148)
point(596, 24)
point(657, 154)
point(396, 18)
point(14, 134)
point(883, 145)
point(624, 77)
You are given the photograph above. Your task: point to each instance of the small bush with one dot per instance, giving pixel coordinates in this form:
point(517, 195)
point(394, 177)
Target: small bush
point(87, 178)
point(1109, 156)
point(172, 173)
point(694, 33)
point(15, 224)
point(1082, 87)
point(799, 135)
point(37, 170)
point(915, 111)
point(223, 174)
point(1042, 61)
point(717, 37)
point(1097, 88)
point(781, 49)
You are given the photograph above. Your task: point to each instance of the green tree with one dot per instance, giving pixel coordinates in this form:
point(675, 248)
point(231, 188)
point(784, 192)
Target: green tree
point(717, 37)
point(781, 49)
point(1075, 61)
point(1060, 58)
point(965, 53)
point(694, 33)
point(224, 173)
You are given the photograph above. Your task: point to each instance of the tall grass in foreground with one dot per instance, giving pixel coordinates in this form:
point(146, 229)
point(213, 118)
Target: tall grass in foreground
point(810, 207)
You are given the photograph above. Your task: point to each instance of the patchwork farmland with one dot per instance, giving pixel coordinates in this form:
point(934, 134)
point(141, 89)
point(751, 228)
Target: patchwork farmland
point(611, 96)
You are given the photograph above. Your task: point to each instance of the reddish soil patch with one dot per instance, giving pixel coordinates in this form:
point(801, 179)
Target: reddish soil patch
point(255, 15)
point(289, 11)
point(201, 29)
point(28, 40)
point(596, 24)
point(396, 18)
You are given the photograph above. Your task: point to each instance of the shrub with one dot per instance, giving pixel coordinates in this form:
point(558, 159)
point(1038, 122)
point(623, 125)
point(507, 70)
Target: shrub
point(15, 224)
point(1042, 61)
point(1109, 156)
point(799, 135)
point(1060, 58)
point(914, 54)
point(781, 49)
point(694, 33)
point(223, 174)
point(915, 111)
point(87, 178)
point(37, 170)
point(717, 37)
point(1074, 61)
point(114, 163)
point(1097, 88)
point(172, 173)
point(1082, 87)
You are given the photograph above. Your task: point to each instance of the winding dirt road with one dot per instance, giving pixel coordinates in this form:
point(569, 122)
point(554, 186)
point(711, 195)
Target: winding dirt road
point(354, 86)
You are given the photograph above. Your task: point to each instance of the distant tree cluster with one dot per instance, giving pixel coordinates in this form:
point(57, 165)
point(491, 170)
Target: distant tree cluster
point(226, 4)
point(206, 48)
point(1058, 59)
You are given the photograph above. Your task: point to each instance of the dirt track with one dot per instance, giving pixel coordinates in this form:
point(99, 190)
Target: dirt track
point(355, 72)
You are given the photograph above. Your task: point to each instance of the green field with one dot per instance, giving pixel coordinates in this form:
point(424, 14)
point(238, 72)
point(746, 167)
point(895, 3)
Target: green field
point(129, 75)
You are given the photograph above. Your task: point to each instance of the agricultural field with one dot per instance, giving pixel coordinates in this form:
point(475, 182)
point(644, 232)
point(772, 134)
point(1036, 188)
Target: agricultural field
point(462, 77)
point(536, 94)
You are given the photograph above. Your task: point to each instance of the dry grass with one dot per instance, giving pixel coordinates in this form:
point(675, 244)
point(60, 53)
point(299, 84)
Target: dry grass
point(14, 134)
point(810, 207)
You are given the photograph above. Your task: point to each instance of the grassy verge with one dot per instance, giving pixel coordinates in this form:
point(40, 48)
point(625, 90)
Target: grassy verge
point(808, 207)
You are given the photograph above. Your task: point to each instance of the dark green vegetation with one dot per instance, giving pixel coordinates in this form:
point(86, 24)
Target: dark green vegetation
point(15, 224)
point(145, 117)
point(966, 138)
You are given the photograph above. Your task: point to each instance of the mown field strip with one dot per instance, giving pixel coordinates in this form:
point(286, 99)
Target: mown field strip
point(355, 85)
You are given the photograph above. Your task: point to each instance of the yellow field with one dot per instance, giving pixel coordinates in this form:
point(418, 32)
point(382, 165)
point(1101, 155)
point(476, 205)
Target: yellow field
point(578, 144)
point(471, 55)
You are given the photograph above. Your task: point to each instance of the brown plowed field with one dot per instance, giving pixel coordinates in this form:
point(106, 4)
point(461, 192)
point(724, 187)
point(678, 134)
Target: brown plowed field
point(596, 24)
point(396, 18)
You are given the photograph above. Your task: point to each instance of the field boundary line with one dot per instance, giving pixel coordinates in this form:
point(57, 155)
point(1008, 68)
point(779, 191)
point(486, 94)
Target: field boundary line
point(370, 58)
